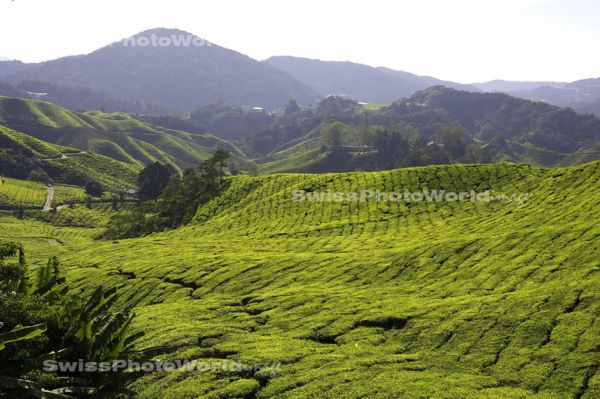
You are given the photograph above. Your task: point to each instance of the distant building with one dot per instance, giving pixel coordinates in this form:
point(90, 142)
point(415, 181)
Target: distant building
point(36, 95)
point(353, 148)
point(434, 143)
point(130, 192)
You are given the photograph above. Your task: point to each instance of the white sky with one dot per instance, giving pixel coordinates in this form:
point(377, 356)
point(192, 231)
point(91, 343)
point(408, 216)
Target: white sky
point(459, 40)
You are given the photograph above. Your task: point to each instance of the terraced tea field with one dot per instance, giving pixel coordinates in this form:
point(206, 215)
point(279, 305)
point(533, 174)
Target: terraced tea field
point(362, 299)
point(16, 193)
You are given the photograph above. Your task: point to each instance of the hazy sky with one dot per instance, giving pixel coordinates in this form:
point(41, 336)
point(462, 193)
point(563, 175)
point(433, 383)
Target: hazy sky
point(460, 40)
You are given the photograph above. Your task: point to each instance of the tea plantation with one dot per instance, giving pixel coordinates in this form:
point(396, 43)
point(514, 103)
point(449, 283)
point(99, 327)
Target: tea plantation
point(494, 299)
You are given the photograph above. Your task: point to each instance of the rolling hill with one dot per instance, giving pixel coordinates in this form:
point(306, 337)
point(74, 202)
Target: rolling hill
point(450, 299)
point(177, 76)
point(487, 114)
point(114, 135)
point(499, 127)
point(25, 157)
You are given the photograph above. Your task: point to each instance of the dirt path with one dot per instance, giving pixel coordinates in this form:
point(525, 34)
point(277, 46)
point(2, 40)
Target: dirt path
point(49, 197)
point(64, 156)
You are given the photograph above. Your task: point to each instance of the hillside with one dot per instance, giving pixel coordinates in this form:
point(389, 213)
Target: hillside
point(15, 193)
point(177, 77)
point(438, 125)
point(25, 157)
point(488, 115)
point(368, 299)
point(361, 82)
point(114, 135)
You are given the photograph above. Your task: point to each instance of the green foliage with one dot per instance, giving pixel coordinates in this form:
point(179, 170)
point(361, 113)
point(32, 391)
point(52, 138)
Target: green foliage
point(335, 133)
point(453, 138)
point(153, 179)
point(230, 122)
point(19, 193)
point(466, 127)
point(13, 273)
point(177, 204)
point(46, 323)
point(21, 334)
point(22, 155)
point(94, 189)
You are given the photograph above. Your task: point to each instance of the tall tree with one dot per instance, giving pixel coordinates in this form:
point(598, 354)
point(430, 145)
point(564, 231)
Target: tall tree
point(94, 189)
point(153, 180)
point(333, 133)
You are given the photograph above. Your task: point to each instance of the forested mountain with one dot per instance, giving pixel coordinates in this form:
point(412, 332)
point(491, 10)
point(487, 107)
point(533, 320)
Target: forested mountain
point(489, 115)
point(434, 126)
point(231, 122)
point(176, 77)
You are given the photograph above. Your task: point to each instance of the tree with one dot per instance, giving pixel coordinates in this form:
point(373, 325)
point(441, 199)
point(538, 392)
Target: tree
point(178, 203)
point(451, 136)
point(392, 147)
point(333, 133)
point(220, 158)
point(88, 201)
point(94, 189)
point(291, 108)
point(363, 133)
point(153, 180)
point(115, 202)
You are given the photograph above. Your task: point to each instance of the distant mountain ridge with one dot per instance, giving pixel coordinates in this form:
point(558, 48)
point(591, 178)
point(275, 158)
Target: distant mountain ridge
point(511, 86)
point(580, 91)
point(358, 81)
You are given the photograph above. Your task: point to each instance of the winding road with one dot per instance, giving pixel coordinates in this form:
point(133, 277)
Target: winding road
point(49, 197)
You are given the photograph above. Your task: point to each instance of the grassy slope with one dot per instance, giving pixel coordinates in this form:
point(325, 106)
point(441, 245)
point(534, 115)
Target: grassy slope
point(75, 166)
point(372, 300)
point(115, 135)
point(22, 193)
point(14, 192)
